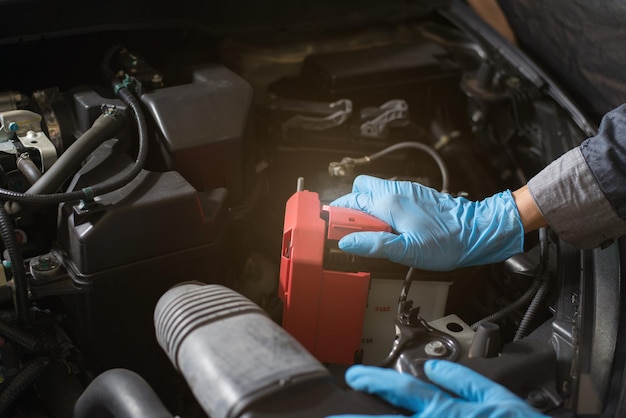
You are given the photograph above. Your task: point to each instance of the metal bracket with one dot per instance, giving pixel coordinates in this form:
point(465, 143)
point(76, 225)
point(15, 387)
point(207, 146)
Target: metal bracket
point(46, 148)
point(312, 123)
point(391, 110)
point(26, 126)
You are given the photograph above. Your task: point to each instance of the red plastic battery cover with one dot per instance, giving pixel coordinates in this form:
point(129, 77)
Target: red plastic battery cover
point(324, 310)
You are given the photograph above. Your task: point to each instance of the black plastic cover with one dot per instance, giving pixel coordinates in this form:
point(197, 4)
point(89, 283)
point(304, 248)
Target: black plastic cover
point(204, 129)
point(156, 214)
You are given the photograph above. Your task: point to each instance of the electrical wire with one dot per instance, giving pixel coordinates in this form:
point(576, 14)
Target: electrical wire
point(531, 312)
point(445, 182)
point(21, 337)
point(17, 266)
point(535, 304)
point(404, 292)
point(506, 311)
point(21, 382)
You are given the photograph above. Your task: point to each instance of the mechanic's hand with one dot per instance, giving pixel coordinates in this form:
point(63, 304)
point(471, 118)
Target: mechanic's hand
point(477, 395)
point(435, 231)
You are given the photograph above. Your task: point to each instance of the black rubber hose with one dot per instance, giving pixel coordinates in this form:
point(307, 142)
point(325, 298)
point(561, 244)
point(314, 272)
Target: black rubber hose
point(119, 393)
point(504, 312)
point(103, 128)
point(22, 381)
point(17, 266)
point(21, 337)
point(531, 312)
point(142, 154)
point(28, 168)
point(89, 192)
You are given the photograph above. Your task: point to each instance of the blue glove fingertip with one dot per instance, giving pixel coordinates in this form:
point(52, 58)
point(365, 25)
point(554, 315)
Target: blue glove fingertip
point(431, 366)
point(347, 243)
point(355, 371)
point(363, 183)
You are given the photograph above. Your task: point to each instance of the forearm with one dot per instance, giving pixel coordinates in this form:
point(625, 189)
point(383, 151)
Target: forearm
point(531, 216)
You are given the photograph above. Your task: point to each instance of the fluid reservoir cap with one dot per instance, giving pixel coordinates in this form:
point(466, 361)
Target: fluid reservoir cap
point(486, 342)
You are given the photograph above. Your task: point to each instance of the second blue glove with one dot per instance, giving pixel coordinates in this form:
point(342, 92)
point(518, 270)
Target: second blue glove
point(475, 395)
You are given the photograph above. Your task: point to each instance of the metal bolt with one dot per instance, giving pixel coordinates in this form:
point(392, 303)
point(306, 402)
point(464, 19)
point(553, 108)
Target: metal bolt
point(435, 348)
point(574, 299)
point(45, 263)
point(477, 116)
point(13, 126)
point(156, 78)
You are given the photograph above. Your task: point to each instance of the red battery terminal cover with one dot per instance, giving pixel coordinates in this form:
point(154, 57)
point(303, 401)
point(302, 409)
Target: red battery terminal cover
point(323, 309)
point(343, 221)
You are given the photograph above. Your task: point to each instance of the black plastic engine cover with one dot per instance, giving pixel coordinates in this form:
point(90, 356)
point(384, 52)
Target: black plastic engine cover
point(121, 254)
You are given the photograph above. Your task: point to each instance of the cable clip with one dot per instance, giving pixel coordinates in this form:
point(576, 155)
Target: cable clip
point(108, 110)
point(88, 203)
point(129, 83)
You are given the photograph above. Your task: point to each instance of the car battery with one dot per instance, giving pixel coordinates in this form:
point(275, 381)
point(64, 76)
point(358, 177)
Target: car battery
point(342, 307)
point(382, 309)
point(418, 72)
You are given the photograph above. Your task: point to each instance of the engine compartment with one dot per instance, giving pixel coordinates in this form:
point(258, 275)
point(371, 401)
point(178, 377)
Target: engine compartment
point(232, 121)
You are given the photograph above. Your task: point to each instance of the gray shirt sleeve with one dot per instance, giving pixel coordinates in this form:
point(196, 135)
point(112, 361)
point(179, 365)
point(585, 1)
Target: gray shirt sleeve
point(573, 203)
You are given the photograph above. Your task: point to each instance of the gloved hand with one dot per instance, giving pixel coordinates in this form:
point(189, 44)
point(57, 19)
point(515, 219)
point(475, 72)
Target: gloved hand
point(435, 231)
point(477, 395)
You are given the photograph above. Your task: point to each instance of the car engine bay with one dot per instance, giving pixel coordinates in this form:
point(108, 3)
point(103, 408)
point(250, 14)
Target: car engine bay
point(145, 179)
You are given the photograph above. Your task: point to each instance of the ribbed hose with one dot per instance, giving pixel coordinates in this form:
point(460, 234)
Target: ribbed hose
point(531, 312)
point(26, 377)
point(89, 192)
point(18, 336)
point(230, 352)
point(17, 265)
point(504, 312)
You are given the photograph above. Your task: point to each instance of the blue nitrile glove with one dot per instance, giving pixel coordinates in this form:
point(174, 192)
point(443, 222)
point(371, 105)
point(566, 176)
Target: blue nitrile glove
point(435, 231)
point(477, 395)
